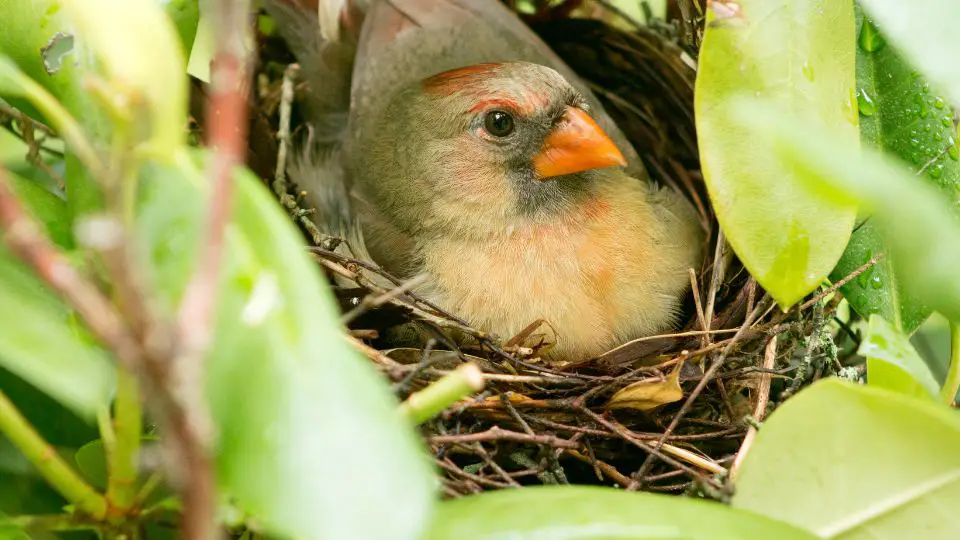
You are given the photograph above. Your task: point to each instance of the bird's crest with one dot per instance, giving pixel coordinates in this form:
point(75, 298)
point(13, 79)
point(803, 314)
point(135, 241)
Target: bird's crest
point(455, 80)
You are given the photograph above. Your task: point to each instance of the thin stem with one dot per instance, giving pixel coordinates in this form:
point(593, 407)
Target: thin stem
point(432, 400)
point(950, 386)
point(57, 473)
point(127, 426)
point(48, 523)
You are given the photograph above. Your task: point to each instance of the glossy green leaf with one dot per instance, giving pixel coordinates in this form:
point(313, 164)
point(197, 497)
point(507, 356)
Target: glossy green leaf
point(38, 344)
point(893, 363)
point(853, 462)
point(302, 420)
point(594, 513)
point(926, 32)
point(920, 228)
point(901, 115)
point(800, 54)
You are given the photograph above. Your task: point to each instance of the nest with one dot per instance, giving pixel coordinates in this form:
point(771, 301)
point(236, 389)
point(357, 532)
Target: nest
point(668, 413)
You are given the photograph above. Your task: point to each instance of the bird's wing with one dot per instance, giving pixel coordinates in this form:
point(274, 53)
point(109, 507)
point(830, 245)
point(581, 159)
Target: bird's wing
point(326, 56)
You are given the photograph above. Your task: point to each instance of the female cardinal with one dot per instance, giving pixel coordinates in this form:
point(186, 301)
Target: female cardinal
point(495, 182)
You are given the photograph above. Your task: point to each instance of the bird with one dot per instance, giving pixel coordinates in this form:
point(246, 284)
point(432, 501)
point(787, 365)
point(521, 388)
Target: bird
point(452, 145)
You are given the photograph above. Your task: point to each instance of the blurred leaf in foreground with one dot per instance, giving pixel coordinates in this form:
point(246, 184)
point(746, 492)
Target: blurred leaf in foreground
point(926, 32)
point(309, 440)
point(893, 363)
point(856, 462)
point(920, 228)
point(801, 55)
point(901, 115)
point(593, 513)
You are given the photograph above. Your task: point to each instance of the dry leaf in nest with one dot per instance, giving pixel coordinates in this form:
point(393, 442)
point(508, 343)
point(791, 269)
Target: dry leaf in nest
point(535, 340)
point(648, 394)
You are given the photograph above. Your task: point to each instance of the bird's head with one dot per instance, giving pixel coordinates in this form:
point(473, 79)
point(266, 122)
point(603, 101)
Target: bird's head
point(492, 141)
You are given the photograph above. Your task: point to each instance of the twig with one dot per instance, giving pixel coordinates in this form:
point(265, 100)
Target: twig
point(432, 400)
point(498, 434)
point(482, 452)
point(721, 259)
point(707, 377)
point(226, 123)
point(847, 279)
point(759, 411)
point(280, 184)
point(372, 302)
point(628, 436)
point(602, 466)
point(934, 159)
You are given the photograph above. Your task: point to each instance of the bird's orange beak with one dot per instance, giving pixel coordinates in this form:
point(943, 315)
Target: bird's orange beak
point(576, 144)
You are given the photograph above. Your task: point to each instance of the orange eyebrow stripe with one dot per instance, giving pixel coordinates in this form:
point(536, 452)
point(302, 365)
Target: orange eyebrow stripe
point(490, 104)
point(454, 80)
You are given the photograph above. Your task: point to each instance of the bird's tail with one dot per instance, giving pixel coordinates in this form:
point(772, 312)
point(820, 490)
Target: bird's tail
point(323, 36)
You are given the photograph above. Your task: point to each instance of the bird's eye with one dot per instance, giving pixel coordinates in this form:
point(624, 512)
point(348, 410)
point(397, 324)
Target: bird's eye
point(498, 123)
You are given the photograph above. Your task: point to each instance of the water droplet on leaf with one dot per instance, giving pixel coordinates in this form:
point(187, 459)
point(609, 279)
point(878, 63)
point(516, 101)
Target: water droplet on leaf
point(865, 103)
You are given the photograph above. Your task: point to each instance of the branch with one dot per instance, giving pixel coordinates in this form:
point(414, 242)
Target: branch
point(432, 400)
point(48, 462)
point(226, 123)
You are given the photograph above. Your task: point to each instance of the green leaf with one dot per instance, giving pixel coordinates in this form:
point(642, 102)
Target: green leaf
point(925, 31)
point(185, 15)
point(847, 461)
point(29, 27)
point(900, 115)
point(585, 513)
point(920, 228)
point(893, 363)
point(51, 211)
point(91, 461)
point(301, 418)
point(800, 54)
point(38, 344)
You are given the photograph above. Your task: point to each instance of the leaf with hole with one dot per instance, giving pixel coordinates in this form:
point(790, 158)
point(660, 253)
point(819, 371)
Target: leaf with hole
point(856, 462)
point(800, 54)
